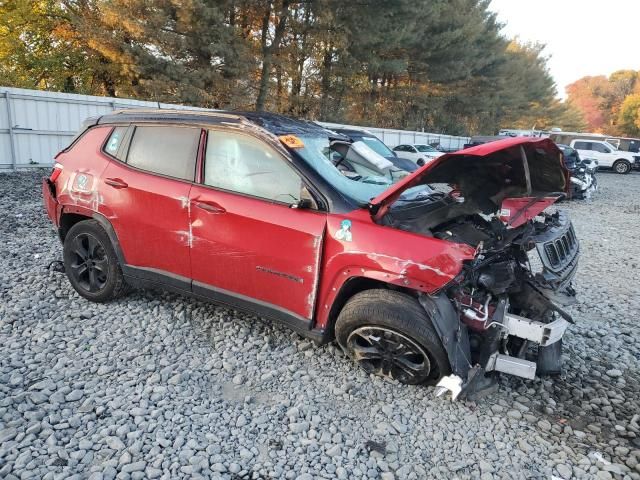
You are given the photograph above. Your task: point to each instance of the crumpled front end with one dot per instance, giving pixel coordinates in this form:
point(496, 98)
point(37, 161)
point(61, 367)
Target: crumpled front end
point(509, 307)
point(505, 312)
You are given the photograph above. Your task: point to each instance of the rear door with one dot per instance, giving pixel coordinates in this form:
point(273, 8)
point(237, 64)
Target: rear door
point(250, 247)
point(146, 197)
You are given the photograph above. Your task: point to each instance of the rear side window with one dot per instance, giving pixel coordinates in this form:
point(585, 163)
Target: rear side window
point(115, 139)
point(582, 146)
point(244, 164)
point(170, 151)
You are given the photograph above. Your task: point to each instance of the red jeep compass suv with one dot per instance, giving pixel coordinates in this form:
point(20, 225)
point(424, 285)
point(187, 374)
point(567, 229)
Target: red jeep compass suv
point(448, 274)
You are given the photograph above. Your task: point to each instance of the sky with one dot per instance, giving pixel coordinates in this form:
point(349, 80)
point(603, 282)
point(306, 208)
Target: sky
point(583, 37)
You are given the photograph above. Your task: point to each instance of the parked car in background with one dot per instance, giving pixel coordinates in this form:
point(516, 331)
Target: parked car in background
point(423, 278)
point(582, 173)
point(607, 155)
point(419, 153)
point(377, 146)
point(626, 144)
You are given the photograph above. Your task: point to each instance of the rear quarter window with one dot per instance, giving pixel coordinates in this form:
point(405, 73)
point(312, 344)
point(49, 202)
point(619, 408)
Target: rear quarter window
point(115, 140)
point(166, 150)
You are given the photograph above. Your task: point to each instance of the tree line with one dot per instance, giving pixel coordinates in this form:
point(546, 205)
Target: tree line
point(438, 65)
point(611, 104)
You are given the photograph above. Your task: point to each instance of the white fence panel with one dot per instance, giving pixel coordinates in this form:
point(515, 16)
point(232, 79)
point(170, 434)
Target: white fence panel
point(35, 125)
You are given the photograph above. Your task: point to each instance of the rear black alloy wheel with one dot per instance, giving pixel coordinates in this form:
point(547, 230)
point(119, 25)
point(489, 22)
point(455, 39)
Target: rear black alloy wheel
point(388, 353)
point(89, 263)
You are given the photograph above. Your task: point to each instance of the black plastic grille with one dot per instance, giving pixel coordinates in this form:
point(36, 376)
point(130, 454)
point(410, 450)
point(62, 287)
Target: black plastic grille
point(562, 250)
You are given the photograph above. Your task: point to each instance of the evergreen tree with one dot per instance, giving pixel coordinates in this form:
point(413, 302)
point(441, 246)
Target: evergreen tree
point(439, 65)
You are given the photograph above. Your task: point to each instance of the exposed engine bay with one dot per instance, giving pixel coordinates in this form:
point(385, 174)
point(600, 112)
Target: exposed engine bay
point(505, 311)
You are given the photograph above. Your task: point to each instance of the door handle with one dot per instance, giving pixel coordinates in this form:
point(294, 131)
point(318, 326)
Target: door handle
point(116, 182)
point(211, 207)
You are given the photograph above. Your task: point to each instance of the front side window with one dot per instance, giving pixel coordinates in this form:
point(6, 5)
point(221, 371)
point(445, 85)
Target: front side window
point(167, 150)
point(243, 164)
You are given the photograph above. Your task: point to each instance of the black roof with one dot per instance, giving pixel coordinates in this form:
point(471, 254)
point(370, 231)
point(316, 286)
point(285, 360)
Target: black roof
point(272, 122)
point(282, 125)
point(351, 131)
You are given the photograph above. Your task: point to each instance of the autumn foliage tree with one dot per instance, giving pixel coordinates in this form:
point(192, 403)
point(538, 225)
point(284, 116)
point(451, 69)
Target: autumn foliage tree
point(439, 65)
point(609, 104)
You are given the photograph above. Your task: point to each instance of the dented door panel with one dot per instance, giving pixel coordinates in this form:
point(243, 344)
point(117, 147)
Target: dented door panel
point(150, 217)
point(257, 249)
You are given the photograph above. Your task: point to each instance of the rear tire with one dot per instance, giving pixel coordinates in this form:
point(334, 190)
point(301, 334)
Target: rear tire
point(389, 334)
point(622, 166)
point(91, 263)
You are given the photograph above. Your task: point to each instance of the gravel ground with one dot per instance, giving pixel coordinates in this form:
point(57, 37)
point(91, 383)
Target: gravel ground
point(161, 386)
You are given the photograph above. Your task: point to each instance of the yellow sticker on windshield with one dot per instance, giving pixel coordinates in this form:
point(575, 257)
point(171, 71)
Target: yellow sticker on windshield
point(291, 141)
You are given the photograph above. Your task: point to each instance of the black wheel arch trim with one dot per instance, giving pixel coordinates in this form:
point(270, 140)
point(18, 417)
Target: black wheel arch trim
point(453, 334)
point(113, 237)
point(105, 224)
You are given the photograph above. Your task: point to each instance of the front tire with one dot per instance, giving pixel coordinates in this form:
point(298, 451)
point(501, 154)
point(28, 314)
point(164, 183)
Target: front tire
point(389, 334)
point(622, 166)
point(91, 263)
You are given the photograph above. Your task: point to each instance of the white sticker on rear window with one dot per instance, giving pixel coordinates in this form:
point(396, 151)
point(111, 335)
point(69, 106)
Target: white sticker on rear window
point(113, 143)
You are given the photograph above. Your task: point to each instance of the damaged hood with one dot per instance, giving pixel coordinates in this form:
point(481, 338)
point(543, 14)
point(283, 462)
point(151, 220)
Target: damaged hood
point(516, 167)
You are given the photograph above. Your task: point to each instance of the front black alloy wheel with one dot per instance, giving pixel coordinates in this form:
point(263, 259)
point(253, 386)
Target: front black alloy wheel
point(389, 334)
point(91, 263)
point(388, 353)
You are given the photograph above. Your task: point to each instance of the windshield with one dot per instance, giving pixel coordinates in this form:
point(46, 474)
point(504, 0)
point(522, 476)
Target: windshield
point(377, 146)
point(425, 148)
point(354, 169)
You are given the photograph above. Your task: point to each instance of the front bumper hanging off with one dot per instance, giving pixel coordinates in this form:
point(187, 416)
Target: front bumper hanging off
point(543, 334)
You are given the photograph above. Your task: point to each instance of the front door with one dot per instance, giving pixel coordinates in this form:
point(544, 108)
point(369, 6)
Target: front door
point(148, 199)
point(250, 247)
